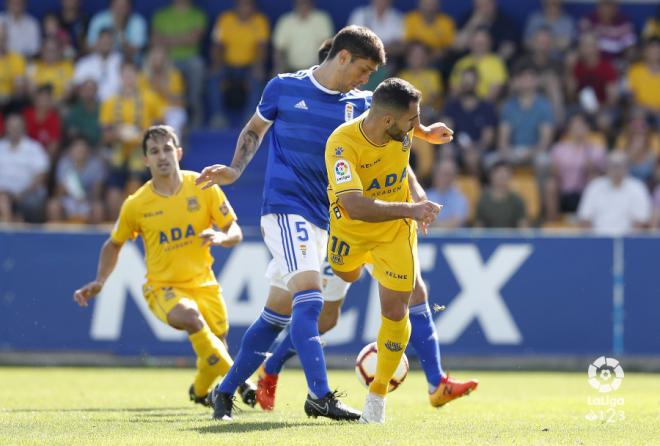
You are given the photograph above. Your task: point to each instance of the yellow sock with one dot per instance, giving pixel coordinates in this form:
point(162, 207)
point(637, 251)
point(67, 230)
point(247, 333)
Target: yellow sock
point(213, 360)
point(392, 341)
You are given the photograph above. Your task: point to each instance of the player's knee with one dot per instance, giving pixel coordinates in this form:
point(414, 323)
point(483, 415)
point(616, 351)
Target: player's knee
point(349, 276)
point(419, 294)
point(187, 318)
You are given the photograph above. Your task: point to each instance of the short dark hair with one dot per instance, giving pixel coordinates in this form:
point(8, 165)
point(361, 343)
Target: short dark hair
point(395, 93)
point(499, 164)
point(159, 131)
point(360, 42)
point(324, 49)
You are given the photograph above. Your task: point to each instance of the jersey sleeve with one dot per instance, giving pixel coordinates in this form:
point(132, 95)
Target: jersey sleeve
point(267, 108)
point(126, 226)
point(222, 213)
point(341, 162)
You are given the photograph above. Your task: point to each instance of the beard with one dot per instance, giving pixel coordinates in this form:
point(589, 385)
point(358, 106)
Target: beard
point(396, 133)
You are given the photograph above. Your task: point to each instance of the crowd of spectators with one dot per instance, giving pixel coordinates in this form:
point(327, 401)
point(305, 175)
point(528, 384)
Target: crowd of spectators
point(556, 122)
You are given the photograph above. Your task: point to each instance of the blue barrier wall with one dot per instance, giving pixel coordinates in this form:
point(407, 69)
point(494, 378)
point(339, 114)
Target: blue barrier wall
point(505, 294)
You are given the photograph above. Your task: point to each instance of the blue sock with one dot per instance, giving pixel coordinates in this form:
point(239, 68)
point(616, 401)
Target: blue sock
point(424, 340)
point(305, 337)
point(281, 354)
point(256, 342)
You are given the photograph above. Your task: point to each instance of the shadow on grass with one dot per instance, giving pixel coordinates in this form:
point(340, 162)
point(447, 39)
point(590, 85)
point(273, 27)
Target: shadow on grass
point(249, 426)
point(106, 409)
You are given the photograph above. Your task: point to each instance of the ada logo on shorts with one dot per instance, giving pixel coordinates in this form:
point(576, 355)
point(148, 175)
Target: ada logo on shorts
point(342, 172)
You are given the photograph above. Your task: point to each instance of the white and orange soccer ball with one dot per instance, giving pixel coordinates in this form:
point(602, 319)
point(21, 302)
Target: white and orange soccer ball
point(365, 367)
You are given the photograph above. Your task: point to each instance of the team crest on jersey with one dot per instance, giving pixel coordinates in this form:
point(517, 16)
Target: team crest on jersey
point(193, 204)
point(348, 111)
point(169, 293)
point(342, 171)
point(224, 208)
point(406, 143)
point(339, 151)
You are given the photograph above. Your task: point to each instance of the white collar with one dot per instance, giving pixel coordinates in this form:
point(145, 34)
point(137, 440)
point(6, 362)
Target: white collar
point(317, 84)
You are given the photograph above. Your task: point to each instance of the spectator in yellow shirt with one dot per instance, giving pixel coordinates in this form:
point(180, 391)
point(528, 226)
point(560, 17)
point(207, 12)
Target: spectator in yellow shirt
point(652, 27)
point(12, 67)
point(160, 74)
point(123, 117)
point(428, 25)
point(240, 38)
point(644, 78)
point(52, 68)
point(426, 79)
point(490, 67)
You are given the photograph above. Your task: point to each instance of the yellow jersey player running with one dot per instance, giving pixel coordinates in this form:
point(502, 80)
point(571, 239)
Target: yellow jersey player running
point(373, 218)
point(176, 220)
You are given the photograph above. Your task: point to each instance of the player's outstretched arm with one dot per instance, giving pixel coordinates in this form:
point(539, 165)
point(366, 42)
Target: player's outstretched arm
point(107, 262)
point(359, 207)
point(230, 236)
point(436, 133)
point(247, 145)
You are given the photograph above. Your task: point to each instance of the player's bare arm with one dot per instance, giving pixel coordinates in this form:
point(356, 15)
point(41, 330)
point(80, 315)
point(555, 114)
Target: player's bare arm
point(229, 236)
point(436, 133)
point(107, 262)
point(247, 145)
point(418, 194)
point(359, 207)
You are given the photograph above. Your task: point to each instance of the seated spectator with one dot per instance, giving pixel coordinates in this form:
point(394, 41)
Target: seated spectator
point(23, 34)
point(298, 35)
point(426, 79)
point(159, 74)
point(427, 24)
point(23, 169)
point(240, 39)
point(473, 121)
point(123, 118)
point(82, 118)
point(130, 28)
point(644, 79)
point(641, 144)
point(13, 67)
point(79, 179)
point(526, 121)
point(655, 219)
point(42, 121)
point(615, 203)
point(180, 29)
point(550, 67)
point(102, 66)
point(574, 161)
point(53, 30)
point(455, 209)
point(51, 68)
point(486, 15)
point(385, 21)
point(490, 67)
point(591, 79)
point(74, 22)
point(614, 32)
point(559, 24)
point(652, 27)
point(498, 206)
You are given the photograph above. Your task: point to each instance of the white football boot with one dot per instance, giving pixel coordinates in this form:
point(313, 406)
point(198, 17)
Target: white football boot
point(374, 409)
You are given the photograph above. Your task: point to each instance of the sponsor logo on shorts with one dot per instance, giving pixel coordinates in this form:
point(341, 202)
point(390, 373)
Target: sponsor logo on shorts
point(168, 293)
point(337, 259)
point(193, 204)
point(393, 346)
point(212, 360)
point(396, 276)
point(342, 171)
point(303, 249)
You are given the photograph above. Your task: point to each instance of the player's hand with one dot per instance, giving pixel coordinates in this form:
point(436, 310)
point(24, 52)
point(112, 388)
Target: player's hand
point(217, 174)
point(439, 133)
point(84, 294)
point(425, 228)
point(212, 237)
point(425, 212)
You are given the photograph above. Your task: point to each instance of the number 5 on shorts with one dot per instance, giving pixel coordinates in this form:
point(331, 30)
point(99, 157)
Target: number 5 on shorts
point(300, 228)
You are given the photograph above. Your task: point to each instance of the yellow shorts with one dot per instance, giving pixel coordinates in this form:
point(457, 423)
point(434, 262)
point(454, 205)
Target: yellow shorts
point(395, 262)
point(161, 299)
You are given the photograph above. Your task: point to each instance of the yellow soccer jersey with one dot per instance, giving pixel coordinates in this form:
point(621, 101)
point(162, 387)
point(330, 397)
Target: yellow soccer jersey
point(355, 164)
point(170, 228)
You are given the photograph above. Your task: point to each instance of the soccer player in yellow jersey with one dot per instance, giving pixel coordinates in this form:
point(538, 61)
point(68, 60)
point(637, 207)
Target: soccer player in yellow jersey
point(373, 218)
point(176, 220)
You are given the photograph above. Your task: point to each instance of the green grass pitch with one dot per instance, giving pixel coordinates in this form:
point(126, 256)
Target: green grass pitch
point(88, 406)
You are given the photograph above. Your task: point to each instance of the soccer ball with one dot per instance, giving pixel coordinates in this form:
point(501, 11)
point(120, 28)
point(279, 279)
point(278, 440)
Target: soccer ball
point(365, 367)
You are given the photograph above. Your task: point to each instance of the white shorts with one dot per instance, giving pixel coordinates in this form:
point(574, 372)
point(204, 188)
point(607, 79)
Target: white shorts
point(295, 244)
